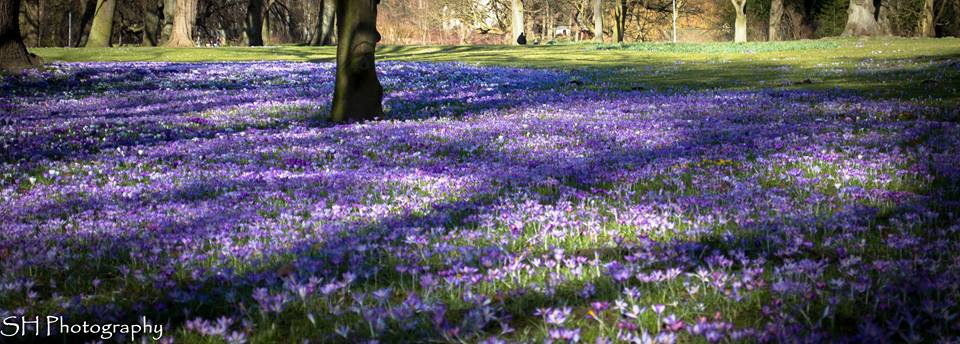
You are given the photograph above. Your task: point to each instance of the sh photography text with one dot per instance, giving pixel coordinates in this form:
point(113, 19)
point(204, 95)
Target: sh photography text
point(37, 326)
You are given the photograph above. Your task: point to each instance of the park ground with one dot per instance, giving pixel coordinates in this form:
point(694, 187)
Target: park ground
point(869, 66)
point(764, 192)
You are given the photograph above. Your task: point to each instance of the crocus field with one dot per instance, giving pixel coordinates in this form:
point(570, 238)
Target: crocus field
point(494, 204)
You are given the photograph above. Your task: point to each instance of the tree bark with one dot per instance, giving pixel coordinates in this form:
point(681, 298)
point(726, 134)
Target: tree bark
point(358, 95)
point(776, 15)
point(598, 21)
point(516, 24)
point(883, 15)
point(30, 23)
point(183, 20)
point(87, 9)
point(955, 22)
point(151, 22)
point(861, 20)
point(169, 11)
point(166, 25)
point(325, 31)
point(40, 24)
point(254, 23)
point(102, 27)
point(620, 17)
point(544, 29)
point(740, 26)
point(13, 53)
point(927, 20)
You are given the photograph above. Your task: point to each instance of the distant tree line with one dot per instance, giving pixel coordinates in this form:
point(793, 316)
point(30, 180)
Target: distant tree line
point(102, 23)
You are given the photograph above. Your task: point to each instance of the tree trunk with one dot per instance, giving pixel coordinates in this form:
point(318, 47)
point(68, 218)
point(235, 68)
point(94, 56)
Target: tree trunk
point(776, 15)
point(545, 29)
point(528, 26)
point(955, 22)
point(927, 20)
point(861, 20)
point(29, 23)
point(102, 27)
point(151, 22)
point(325, 32)
point(265, 28)
point(169, 11)
point(86, 9)
point(358, 94)
point(620, 17)
point(13, 53)
point(39, 23)
point(516, 24)
point(740, 33)
point(254, 23)
point(883, 15)
point(673, 15)
point(183, 20)
point(598, 21)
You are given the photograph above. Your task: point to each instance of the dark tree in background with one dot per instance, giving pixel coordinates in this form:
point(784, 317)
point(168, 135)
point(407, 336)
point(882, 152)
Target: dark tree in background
point(255, 23)
point(60, 23)
point(358, 94)
point(620, 20)
point(13, 53)
point(166, 29)
point(325, 32)
point(152, 11)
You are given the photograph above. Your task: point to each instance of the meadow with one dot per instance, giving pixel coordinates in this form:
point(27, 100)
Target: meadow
point(790, 192)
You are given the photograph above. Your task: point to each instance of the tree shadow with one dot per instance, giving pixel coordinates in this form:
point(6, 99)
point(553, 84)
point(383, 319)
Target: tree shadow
point(499, 174)
point(135, 107)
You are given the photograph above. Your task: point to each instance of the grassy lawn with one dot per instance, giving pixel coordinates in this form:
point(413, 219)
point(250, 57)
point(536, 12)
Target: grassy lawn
point(903, 68)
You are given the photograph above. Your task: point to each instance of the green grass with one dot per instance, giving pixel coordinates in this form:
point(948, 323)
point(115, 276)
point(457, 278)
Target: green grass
point(892, 67)
point(714, 48)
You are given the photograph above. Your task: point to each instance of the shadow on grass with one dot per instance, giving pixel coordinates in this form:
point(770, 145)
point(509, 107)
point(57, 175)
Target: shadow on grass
point(499, 177)
point(346, 247)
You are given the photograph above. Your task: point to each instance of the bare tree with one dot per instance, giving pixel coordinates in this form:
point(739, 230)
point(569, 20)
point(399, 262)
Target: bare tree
point(102, 28)
point(358, 94)
point(183, 20)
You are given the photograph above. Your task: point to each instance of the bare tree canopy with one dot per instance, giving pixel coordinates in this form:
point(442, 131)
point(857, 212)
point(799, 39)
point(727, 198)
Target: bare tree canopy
point(103, 23)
